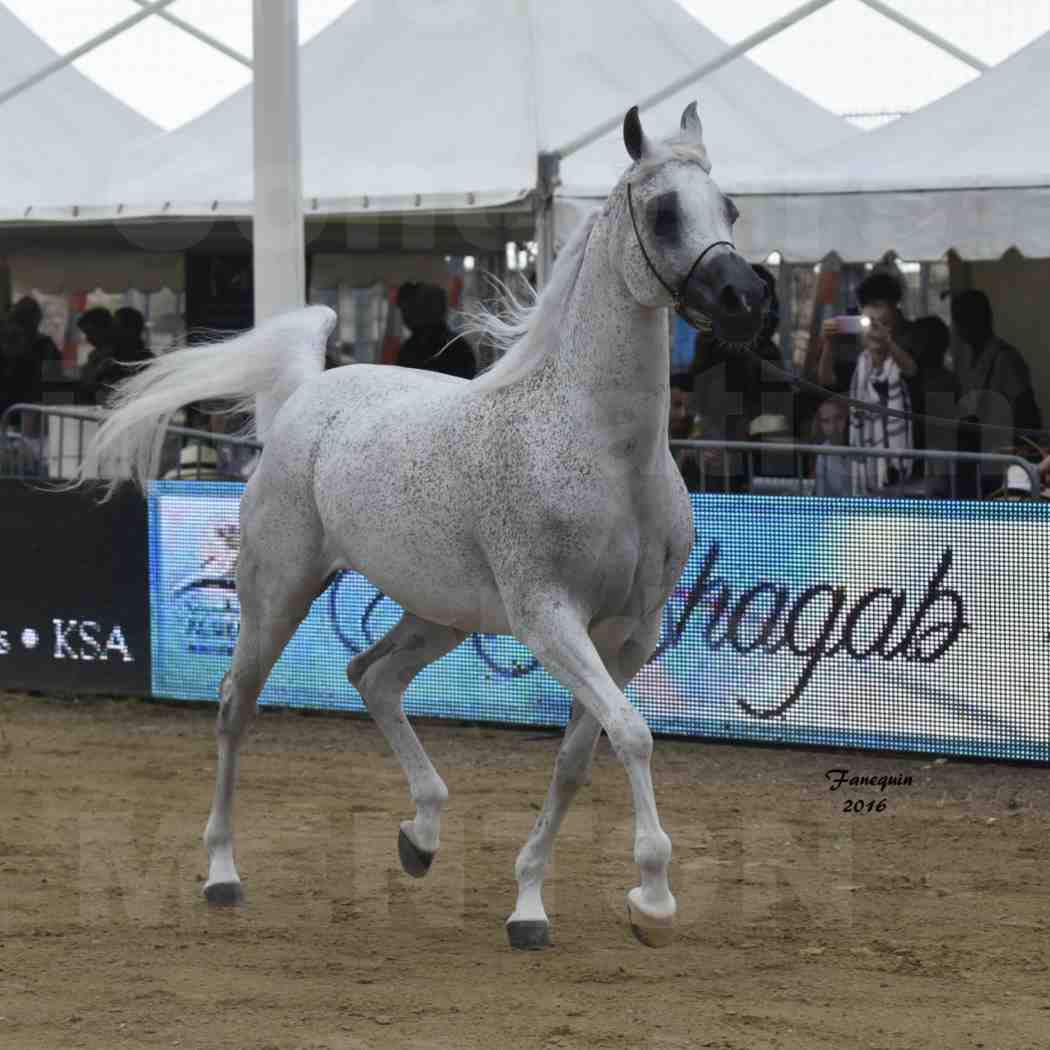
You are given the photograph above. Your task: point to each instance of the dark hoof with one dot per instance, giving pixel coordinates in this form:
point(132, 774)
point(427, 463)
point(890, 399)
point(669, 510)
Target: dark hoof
point(415, 862)
point(224, 894)
point(531, 935)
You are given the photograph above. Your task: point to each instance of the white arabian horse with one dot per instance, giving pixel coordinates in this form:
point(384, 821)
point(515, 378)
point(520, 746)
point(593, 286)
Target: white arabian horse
point(539, 499)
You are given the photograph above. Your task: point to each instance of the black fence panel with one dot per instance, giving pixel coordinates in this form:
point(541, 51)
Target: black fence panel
point(74, 591)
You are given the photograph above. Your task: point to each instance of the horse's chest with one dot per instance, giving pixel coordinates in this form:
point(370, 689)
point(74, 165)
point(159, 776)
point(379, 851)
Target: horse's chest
point(652, 545)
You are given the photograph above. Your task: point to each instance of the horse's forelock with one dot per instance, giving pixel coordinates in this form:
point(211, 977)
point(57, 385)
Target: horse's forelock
point(692, 152)
point(679, 149)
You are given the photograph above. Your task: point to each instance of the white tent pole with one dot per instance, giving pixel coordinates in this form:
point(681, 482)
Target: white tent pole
point(930, 37)
point(278, 240)
point(203, 37)
point(83, 49)
point(724, 58)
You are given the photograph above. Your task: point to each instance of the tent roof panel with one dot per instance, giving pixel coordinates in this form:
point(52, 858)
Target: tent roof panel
point(452, 103)
point(62, 125)
point(991, 133)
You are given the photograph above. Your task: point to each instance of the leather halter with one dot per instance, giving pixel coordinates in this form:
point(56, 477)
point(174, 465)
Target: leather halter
point(692, 316)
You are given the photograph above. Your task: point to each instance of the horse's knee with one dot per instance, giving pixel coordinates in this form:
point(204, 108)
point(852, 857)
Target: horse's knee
point(382, 680)
point(572, 767)
point(236, 712)
point(359, 666)
point(634, 655)
point(572, 774)
point(631, 738)
point(388, 666)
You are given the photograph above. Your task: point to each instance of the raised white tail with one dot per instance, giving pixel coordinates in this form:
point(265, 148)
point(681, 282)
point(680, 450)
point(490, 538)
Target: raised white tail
point(265, 365)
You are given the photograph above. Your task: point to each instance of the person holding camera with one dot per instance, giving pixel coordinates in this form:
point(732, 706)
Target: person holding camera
point(879, 378)
point(881, 321)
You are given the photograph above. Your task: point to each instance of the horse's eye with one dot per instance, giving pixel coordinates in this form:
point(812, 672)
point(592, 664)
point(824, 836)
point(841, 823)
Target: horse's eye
point(665, 215)
point(731, 211)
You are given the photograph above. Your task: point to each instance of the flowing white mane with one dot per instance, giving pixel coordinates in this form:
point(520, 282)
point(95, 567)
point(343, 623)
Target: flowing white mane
point(521, 331)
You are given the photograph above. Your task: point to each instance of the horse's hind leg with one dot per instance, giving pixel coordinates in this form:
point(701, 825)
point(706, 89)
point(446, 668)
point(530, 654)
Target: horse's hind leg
point(278, 576)
point(381, 675)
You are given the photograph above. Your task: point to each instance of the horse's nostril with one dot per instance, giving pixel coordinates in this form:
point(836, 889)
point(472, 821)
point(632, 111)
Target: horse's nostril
point(731, 301)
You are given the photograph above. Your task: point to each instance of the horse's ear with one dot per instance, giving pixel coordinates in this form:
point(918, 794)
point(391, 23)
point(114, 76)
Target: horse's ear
point(691, 125)
point(633, 136)
point(693, 133)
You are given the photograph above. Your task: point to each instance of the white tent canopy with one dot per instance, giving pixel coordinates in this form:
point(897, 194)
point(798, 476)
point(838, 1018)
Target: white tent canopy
point(969, 172)
point(57, 132)
point(412, 107)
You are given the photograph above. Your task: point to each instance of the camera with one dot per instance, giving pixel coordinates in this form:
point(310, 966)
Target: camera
point(851, 324)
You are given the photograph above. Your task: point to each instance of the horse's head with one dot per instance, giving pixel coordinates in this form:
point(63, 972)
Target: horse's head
point(675, 247)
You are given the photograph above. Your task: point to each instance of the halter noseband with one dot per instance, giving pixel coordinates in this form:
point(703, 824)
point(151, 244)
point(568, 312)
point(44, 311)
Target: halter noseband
point(695, 317)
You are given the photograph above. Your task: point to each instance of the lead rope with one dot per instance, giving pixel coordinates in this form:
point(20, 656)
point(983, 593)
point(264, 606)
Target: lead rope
point(804, 384)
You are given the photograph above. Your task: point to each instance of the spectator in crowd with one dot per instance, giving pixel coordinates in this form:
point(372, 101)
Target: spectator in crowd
point(879, 379)
point(129, 327)
point(29, 359)
point(27, 316)
point(98, 372)
point(768, 391)
point(198, 462)
point(683, 345)
point(23, 358)
point(118, 342)
point(680, 428)
point(995, 380)
point(432, 345)
point(187, 457)
point(879, 297)
point(18, 379)
point(934, 392)
point(772, 429)
point(832, 474)
point(722, 378)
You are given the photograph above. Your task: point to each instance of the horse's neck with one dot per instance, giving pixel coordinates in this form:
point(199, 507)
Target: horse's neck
point(613, 353)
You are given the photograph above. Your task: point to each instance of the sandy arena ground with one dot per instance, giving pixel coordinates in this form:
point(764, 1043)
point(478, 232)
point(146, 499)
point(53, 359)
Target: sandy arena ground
point(802, 926)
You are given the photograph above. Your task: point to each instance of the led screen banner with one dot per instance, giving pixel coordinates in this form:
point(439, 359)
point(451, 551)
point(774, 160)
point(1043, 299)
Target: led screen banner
point(74, 595)
point(908, 624)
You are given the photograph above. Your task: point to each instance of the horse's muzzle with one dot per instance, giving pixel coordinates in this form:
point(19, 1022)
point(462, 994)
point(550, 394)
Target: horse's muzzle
point(728, 291)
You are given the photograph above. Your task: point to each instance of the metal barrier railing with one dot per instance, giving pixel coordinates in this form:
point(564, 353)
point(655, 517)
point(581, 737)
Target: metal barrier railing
point(48, 441)
point(729, 466)
point(53, 444)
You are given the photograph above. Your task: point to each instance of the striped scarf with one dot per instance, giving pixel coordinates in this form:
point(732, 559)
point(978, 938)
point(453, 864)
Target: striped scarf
point(878, 386)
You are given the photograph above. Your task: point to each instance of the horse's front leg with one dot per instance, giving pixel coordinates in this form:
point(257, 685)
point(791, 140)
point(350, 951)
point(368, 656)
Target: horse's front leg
point(557, 634)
